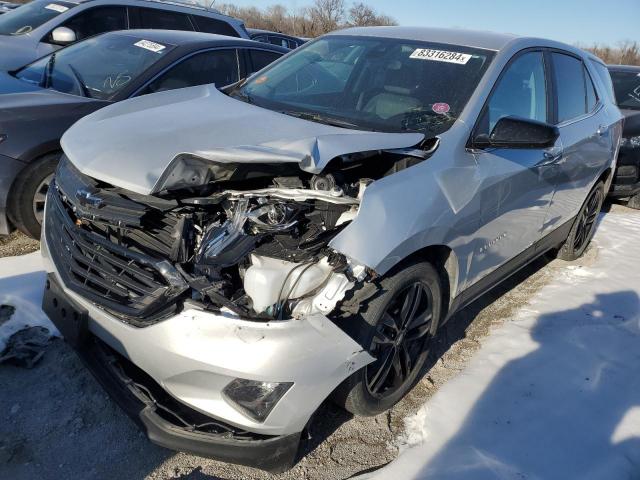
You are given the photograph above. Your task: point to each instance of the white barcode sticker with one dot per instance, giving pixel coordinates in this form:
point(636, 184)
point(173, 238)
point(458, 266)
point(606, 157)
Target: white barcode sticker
point(440, 56)
point(57, 8)
point(151, 46)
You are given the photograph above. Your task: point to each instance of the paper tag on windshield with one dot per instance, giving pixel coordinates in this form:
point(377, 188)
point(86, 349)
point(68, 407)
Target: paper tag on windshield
point(57, 8)
point(440, 56)
point(151, 46)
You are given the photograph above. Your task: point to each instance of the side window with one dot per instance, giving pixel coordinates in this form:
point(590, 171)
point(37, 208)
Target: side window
point(262, 58)
point(592, 96)
point(604, 75)
point(211, 25)
point(521, 92)
point(280, 41)
point(216, 66)
point(97, 20)
point(260, 38)
point(163, 19)
point(571, 91)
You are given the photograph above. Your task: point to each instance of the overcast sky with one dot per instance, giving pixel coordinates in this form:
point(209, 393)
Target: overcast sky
point(584, 21)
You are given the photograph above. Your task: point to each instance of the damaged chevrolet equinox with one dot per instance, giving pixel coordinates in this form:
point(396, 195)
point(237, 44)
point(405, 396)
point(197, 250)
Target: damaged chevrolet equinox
point(224, 262)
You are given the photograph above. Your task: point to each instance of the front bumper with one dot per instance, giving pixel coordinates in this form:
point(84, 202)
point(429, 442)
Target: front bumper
point(626, 181)
point(193, 355)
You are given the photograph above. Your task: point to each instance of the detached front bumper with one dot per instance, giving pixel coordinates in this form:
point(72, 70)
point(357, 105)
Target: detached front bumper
point(626, 181)
point(9, 170)
point(190, 357)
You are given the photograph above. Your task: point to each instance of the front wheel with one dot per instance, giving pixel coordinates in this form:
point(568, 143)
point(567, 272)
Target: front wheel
point(584, 226)
point(26, 207)
point(396, 327)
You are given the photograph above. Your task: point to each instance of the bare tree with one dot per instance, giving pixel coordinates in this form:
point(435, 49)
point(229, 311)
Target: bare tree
point(626, 53)
point(327, 15)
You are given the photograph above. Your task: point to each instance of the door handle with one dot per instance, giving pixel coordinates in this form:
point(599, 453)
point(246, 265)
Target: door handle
point(602, 129)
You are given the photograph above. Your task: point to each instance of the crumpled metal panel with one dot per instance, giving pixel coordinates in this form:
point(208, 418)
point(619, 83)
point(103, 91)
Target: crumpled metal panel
point(130, 144)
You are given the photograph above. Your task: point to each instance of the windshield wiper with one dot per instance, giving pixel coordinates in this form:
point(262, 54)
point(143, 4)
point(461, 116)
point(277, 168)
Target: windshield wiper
point(80, 81)
point(48, 71)
point(316, 117)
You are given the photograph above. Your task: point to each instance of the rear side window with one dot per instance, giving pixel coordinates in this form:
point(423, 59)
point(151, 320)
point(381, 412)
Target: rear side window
point(521, 92)
point(262, 58)
point(97, 20)
point(163, 19)
point(212, 25)
point(592, 96)
point(571, 91)
point(280, 41)
point(216, 66)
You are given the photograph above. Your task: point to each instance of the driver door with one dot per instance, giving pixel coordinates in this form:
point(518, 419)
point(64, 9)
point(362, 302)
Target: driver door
point(519, 183)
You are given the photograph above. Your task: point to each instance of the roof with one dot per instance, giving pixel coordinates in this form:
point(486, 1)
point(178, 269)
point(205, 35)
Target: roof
point(185, 38)
point(624, 68)
point(454, 36)
point(176, 3)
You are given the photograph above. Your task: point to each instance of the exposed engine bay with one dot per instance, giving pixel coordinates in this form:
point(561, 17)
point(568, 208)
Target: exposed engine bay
point(248, 240)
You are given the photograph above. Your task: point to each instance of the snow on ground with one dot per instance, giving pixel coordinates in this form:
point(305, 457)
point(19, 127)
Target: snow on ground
point(21, 285)
point(552, 394)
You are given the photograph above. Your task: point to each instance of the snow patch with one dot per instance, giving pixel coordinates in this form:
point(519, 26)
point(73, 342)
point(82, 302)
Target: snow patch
point(554, 393)
point(22, 281)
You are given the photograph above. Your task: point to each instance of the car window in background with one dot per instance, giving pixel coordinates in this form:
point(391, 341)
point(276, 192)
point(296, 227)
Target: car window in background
point(569, 77)
point(380, 84)
point(30, 16)
point(98, 67)
point(604, 76)
point(592, 96)
point(627, 88)
point(262, 58)
point(163, 19)
point(521, 92)
point(216, 66)
point(212, 25)
point(280, 41)
point(97, 20)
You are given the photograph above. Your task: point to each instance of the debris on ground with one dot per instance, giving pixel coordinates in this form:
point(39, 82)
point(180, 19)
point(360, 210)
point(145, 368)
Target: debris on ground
point(26, 347)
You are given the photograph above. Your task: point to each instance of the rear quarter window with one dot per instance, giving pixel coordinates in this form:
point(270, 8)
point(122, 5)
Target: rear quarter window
point(605, 78)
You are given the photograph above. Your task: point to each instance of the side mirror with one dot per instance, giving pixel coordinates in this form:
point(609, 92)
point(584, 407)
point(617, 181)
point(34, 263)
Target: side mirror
point(63, 36)
point(516, 132)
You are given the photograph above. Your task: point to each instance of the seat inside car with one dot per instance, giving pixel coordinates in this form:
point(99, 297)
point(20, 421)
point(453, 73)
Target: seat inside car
point(397, 94)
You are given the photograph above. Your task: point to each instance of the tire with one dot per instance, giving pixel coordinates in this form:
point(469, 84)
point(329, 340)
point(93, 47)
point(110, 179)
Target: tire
point(26, 204)
point(380, 315)
point(634, 202)
point(584, 226)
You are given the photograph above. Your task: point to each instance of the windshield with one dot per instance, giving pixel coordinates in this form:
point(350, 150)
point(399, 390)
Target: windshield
point(627, 88)
point(98, 67)
point(28, 17)
point(367, 83)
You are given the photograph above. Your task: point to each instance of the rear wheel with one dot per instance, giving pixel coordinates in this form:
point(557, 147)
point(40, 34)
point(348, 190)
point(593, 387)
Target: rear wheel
point(584, 226)
point(26, 207)
point(399, 323)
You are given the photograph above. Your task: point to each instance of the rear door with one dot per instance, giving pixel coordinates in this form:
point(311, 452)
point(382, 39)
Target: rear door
point(515, 201)
point(586, 133)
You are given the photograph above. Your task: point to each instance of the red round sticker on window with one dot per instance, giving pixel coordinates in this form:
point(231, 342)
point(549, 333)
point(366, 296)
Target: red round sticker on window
point(440, 107)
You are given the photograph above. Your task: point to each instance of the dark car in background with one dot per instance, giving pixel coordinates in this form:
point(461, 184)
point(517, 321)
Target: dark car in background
point(7, 7)
point(43, 26)
point(626, 183)
point(40, 101)
point(275, 38)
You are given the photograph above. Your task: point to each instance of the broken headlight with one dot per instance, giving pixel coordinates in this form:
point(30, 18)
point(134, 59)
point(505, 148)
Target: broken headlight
point(254, 398)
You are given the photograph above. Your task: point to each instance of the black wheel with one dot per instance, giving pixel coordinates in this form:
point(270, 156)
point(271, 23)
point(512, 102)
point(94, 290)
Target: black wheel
point(634, 202)
point(396, 325)
point(28, 194)
point(584, 226)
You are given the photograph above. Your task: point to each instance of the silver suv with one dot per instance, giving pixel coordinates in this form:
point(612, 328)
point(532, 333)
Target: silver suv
point(43, 26)
point(227, 261)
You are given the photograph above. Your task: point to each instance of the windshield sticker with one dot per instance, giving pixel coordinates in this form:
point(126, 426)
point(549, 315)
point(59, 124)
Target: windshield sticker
point(151, 46)
point(440, 56)
point(440, 108)
point(57, 8)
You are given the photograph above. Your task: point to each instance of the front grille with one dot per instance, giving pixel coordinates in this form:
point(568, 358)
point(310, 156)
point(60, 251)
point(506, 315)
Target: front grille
point(127, 283)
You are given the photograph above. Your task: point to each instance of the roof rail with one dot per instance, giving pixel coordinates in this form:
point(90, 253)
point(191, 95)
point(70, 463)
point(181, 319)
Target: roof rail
point(188, 3)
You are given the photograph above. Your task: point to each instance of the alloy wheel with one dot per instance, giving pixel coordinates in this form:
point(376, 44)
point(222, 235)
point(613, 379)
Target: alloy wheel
point(39, 198)
point(400, 338)
point(587, 221)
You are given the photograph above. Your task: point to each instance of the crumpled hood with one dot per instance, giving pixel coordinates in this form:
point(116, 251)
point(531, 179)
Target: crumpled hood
point(130, 144)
